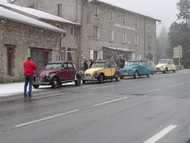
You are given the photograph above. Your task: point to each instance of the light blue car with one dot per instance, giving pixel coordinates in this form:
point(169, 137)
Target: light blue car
point(136, 69)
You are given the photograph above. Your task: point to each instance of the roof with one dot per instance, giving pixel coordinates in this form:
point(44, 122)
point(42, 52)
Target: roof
point(108, 2)
point(37, 13)
point(12, 15)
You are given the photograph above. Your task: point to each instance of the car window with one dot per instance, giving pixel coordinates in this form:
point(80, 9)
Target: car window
point(70, 66)
point(98, 65)
point(53, 66)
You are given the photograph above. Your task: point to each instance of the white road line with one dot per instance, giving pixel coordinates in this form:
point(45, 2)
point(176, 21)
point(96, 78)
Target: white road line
point(153, 90)
point(47, 96)
point(46, 118)
point(110, 101)
point(161, 134)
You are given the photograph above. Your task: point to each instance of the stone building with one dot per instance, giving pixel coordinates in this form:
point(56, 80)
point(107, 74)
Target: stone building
point(69, 43)
point(107, 31)
point(22, 36)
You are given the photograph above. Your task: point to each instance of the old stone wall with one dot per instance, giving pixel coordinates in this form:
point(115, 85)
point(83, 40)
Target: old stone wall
point(22, 38)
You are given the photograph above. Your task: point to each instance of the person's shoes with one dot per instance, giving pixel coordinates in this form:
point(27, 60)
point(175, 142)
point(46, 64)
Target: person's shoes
point(25, 98)
point(30, 98)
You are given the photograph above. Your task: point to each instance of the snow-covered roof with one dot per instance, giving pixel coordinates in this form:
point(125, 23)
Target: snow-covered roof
point(120, 6)
point(12, 15)
point(37, 13)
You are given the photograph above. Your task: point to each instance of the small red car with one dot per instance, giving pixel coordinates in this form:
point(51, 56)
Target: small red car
point(56, 73)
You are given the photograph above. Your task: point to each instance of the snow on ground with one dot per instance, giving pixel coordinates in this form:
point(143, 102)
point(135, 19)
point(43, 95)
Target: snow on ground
point(12, 89)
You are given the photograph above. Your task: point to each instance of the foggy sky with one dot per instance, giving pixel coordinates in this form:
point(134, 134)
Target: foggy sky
point(164, 10)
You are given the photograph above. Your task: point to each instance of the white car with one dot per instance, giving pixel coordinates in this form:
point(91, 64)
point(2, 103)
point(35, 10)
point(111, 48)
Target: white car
point(166, 65)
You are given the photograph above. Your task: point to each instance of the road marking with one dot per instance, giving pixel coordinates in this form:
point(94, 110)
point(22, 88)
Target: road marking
point(153, 90)
point(110, 101)
point(47, 96)
point(176, 85)
point(161, 134)
point(46, 118)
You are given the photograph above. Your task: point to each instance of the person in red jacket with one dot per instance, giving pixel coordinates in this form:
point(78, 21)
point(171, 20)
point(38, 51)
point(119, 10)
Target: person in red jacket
point(29, 68)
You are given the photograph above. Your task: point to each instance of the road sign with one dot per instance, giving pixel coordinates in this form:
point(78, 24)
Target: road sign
point(177, 52)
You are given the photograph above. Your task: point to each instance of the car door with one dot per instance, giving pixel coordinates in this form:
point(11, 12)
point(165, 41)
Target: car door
point(71, 71)
point(65, 72)
point(108, 70)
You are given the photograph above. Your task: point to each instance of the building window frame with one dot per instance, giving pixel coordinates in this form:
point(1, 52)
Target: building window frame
point(60, 9)
point(97, 11)
point(97, 32)
point(11, 51)
point(124, 37)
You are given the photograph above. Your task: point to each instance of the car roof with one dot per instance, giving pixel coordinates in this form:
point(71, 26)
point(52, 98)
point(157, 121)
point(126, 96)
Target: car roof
point(60, 62)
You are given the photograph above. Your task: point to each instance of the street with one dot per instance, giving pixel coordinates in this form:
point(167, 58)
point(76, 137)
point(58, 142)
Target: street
point(145, 110)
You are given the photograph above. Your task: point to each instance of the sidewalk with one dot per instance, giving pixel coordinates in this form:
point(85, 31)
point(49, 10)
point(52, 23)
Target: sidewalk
point(11, 89)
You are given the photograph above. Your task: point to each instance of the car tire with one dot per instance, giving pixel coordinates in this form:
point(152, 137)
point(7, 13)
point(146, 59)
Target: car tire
point(121, 77)
point(78, 82)
point(36, 86)
point(84, 81)
point(117, 78)
point(136, 74)
point(55, 83)
point(101, 78)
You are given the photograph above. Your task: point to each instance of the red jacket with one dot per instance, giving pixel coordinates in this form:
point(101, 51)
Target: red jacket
point(29, 68)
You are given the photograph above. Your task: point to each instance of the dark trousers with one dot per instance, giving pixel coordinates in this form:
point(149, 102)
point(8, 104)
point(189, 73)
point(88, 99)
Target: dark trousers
point(28, 85)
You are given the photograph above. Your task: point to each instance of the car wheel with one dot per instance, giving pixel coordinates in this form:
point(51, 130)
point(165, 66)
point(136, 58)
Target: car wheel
point(101, 78)
point(84, 81)
point(136, 74)
point(55, 83)
point(36, 86)
point(78, 82)
point(121, 77)
point(117, 78)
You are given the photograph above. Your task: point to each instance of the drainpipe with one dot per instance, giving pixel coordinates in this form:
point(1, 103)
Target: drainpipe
point(144, 38)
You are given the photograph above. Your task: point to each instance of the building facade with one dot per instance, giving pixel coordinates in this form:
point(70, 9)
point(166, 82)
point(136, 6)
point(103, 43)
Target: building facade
point(70, 43)
point(107, 31)
point(18, 41)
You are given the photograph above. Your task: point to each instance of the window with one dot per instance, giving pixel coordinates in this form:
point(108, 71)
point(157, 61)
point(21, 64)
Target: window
point(72, 30)
point(97, 32)
point(111, 15)
point(124, 20)
point(60, 9)
point(124, 36)
point(10, 59)
point(112, 36)
point(97, 11)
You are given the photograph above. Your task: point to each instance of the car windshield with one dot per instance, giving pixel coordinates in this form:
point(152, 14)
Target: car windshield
point(130, 63)
point(163, 61)
point(53, 66)
point(98, 65)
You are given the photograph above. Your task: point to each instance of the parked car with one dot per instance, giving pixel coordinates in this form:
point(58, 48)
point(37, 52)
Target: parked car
point(166, 65)
point(100, 71)
point(56, 73)
point(136, 69)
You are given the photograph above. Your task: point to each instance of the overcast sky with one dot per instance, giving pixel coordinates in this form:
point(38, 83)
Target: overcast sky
point(164, 10)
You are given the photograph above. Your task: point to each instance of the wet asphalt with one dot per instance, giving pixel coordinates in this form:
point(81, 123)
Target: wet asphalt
point(145, 110)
